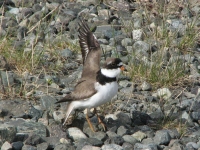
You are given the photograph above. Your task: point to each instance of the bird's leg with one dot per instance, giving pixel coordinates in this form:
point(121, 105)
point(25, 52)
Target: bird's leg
point(99, 120)
point(88, 120)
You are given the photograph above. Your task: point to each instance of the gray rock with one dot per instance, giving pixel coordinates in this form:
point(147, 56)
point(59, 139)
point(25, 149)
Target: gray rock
point(34, 140)
point(174, 133)
point(157, 115)
point(14, 11)
point(76, 133)
point(141, 48)
point(122, 131)
point(127, 42)
point(3, 63)
point(94, 142)
point(58, 116)
point(66, 53)
point(31, 127)
point(89, 147)
point(51, 141)
point(192, 145)
point(115, 140)
point(29, 147)
point(162, 137)
point(88, 2)
point(7, 132)
point(17, 145)
point(151, 146)
point(42, 146)
point(21, 33)
point(6, 146)
point(123, 117)
point(139, 118)
point(98, 135)
point(146, 86)
point(111, 147)
point(37, 7)
point(187, 118)
point(137, 35)
point(130, 139)
point(104, 14)
point(2, 32)
point(64, 147)
point(139, 135)
point(47, 102)
point(127, 146)
point(147, 141)
point(163, 93)
point(195, 115)
point(7, 78)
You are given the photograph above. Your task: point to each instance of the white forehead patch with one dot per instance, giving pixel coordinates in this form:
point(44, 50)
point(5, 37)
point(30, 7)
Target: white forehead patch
point(120, 64)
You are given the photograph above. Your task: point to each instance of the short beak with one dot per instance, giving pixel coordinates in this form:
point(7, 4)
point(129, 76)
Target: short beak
point(122, 68)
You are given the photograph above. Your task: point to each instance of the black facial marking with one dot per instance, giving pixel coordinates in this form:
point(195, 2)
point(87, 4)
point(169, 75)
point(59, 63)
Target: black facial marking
point(114, 65)
point(102, 79)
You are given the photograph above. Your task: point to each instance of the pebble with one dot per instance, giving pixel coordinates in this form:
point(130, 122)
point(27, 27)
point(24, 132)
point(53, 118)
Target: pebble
point(76, 134)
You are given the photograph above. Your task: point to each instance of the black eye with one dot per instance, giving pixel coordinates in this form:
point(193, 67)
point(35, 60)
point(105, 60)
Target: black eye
point(113, 64)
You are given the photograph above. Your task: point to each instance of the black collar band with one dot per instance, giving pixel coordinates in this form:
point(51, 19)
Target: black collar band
point(102, 79)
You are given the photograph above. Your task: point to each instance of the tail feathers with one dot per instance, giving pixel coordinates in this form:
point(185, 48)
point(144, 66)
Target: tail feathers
point(65, 99)
point(70, 108)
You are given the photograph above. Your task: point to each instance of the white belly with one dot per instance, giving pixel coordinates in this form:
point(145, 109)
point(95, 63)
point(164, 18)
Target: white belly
point(105, 94)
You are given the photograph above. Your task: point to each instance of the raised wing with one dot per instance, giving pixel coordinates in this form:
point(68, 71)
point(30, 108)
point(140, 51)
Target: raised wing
point(91, 52)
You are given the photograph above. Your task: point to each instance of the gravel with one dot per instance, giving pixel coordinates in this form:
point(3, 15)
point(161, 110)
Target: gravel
point(140, 116)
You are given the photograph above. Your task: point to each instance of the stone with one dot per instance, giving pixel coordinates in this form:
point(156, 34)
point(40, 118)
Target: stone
point(122, 131)
point(7, 133)
point(141, 48)
point(122, 117)
point(17, 145)
point(64, 147)
point(58, 116)
point(139, 118)
point(104, 14)
point(42, 146)
point(7, 78)
point(111, 147)
point(89, 147)
point(47, 101)
point(146, 86)
point(3, 63)
point(162, 137)
point(127, 42)
point(137, 35)
point(163, 93)
point(51, 141)
point(66, 53)
point(139, 135)
point(29, 147)
point(130, 139)
point(34, 140)
point(6, 146)
point(76, 134)
point(31, 127)
point(151, 146)
point(98, 135)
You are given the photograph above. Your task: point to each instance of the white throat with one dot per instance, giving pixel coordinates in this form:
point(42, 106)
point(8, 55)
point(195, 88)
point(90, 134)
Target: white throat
point(112, 73)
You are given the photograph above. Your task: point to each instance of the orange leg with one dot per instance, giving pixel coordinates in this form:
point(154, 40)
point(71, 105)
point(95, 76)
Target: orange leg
point(90, 124)
point(99, 120)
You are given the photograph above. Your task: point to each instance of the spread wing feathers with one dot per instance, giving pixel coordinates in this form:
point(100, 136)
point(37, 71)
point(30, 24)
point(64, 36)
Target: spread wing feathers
point(83, 90)
point(88, 41)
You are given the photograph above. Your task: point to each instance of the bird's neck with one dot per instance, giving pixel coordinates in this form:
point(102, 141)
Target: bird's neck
point(103, 79)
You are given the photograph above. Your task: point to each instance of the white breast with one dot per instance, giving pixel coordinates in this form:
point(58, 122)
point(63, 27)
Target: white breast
point(104, 94)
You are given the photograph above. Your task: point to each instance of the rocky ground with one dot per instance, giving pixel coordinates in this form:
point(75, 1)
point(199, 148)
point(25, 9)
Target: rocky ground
point(41, 62)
